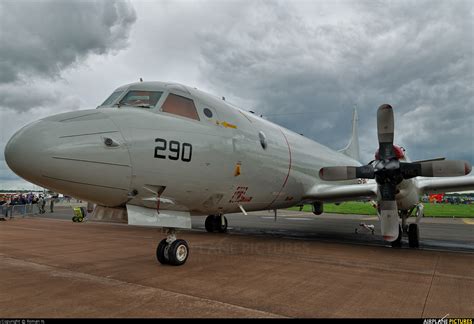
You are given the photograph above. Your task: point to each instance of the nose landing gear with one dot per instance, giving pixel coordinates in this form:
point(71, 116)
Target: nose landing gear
point(411, 230)
point(171, 250)
point(413, 236)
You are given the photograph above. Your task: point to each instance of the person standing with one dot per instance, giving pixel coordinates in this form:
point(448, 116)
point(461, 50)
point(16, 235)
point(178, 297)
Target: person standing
point(51, 204)
point(41, 204)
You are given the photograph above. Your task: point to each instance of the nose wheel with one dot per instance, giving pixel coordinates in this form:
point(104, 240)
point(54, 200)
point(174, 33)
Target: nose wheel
point(172, 251)
point(216, 223)
point(413, 233)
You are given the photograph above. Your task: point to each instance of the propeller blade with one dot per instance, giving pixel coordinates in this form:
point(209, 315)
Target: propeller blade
point(389, 222)
point(387, 191)
point(365, 171)
point(337, 173)
point(388, 211)
point(446, 168)
point(410, 170)
point(385, 131)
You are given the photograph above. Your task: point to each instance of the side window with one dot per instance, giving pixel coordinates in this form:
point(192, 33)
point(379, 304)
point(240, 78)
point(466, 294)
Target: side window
point(180, 106)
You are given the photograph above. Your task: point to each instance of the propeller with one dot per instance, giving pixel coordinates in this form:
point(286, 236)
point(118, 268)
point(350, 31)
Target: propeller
point(388, 172)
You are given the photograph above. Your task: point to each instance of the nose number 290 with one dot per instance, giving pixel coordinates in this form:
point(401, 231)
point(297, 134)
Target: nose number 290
point(184, 151)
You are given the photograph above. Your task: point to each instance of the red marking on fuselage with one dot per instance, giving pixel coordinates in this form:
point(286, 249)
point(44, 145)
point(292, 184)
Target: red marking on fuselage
point(239, 195)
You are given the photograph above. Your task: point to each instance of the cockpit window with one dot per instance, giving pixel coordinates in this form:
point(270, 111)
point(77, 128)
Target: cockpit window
point(181, 106)
point(142, 99)
point(112, 98)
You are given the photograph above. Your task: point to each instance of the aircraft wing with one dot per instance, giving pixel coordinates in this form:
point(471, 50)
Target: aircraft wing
point(339, 193)
point(448, 184)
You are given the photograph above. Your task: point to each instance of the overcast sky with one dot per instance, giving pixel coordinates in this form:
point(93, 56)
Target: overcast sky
point(302, 64)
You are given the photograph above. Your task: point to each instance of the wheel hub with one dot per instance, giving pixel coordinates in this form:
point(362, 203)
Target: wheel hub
point(181, 253)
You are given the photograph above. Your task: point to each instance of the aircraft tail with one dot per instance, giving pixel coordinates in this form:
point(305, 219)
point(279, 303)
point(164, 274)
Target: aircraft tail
point(352, 149)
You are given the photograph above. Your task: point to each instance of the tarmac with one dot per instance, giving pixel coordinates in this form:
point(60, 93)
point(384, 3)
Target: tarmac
point(298, 266)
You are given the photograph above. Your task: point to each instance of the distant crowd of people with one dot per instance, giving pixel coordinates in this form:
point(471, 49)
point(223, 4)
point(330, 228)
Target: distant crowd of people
point(30, 199)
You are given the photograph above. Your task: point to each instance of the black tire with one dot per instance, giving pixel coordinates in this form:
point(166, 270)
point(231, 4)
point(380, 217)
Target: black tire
point(209, 223)
point(178, 252)
point(161, 252)
point(413, 236)
point(221, 228)
point(74, 219)
point(398, 242)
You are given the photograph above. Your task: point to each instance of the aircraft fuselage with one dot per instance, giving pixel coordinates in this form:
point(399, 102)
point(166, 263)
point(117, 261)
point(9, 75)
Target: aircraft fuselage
point(117, 155)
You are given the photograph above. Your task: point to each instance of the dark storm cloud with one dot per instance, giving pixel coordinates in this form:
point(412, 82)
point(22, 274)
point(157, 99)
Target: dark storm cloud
point(327, 58)
point(41, 38)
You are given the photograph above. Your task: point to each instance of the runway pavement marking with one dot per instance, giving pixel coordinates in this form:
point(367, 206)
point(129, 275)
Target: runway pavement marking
point(370, 218)
point(469, 221)
point(287, 218)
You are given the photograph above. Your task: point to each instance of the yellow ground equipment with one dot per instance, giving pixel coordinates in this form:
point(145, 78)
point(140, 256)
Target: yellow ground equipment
point(79, 214)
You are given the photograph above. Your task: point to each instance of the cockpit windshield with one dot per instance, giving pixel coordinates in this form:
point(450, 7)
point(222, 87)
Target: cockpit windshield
point(140, 98)
point(110, 100)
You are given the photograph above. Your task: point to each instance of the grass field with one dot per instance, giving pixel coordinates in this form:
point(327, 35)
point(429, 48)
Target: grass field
point(431, 210)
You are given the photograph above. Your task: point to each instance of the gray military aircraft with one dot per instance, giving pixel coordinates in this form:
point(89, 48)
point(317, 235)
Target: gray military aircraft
point(159, 153)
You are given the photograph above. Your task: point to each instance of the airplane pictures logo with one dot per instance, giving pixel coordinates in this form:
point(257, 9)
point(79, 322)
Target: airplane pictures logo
point(448, 321)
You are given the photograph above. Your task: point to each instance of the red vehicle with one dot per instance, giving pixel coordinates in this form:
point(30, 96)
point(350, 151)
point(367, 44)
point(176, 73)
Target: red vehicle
point(436, 198)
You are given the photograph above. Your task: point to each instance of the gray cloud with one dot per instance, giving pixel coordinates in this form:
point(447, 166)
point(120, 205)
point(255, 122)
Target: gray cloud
point(274, 57)
point(39, 42)
point(44, 37)
point(300, 57)
point(22, 96)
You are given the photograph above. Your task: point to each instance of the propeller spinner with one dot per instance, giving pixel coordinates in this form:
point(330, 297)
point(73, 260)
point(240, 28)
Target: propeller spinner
point(388, 172)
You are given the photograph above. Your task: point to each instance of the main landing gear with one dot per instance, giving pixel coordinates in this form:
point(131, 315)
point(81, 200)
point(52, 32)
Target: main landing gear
point(411, 230)
point(216, 223)
point(171, 250)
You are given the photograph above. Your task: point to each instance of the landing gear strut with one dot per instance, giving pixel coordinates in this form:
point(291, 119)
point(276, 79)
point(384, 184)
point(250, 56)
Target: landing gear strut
point(398, 242)
point(216, 223)
point(412, 230)
point(413, 236)
point(171, 250)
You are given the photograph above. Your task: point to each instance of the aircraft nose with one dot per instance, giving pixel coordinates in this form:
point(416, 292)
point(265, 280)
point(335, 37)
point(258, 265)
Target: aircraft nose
point(23, 152)
point(81, 154)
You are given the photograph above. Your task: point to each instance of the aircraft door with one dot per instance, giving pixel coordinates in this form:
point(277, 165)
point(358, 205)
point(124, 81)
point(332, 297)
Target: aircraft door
point(264, 156)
